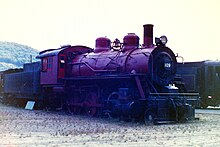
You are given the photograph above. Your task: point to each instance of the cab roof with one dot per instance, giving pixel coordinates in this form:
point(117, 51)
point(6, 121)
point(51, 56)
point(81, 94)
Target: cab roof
point(55, 52)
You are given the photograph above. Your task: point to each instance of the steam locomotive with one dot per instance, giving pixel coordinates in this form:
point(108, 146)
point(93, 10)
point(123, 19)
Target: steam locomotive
point(123, 80)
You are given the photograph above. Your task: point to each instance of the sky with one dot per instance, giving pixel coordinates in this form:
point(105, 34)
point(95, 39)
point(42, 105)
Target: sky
point(191, 26)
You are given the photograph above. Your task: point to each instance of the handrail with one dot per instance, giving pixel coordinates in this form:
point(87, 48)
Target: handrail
point(185, 94)
point(90, 67)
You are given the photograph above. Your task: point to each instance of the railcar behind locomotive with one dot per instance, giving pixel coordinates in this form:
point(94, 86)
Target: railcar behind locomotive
point(20, 85)
point(125, 80)
point(202, 77)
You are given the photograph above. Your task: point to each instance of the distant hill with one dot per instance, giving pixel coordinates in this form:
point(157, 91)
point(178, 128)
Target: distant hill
point(14, 55)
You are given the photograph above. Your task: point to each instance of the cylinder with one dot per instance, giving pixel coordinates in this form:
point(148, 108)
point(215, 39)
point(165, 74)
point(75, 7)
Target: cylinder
point(148, 35)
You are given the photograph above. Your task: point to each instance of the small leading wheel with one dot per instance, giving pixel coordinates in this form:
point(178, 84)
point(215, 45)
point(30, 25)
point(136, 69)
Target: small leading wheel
point(149, 117)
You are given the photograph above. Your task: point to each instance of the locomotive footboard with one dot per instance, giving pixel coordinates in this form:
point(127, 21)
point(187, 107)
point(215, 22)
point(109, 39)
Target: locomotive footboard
point(174, 107)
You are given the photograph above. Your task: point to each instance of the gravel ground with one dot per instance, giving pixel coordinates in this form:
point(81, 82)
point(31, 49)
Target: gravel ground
point(19, 127)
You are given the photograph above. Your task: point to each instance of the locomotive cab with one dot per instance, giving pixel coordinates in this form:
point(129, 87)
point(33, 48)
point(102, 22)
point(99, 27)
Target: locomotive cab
point(50, 68)
point(55, 61)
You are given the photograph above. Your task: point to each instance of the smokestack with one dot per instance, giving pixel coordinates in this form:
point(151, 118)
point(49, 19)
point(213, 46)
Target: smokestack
point(148, 35)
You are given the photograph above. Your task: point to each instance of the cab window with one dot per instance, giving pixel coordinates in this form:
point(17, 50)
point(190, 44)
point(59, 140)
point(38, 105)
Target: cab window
point(50, 63)
point(62, 61)
point(47, 64)
point(44, 64)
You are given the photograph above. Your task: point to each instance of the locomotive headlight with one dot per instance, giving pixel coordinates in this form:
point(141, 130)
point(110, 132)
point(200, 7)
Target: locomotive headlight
point(163, 39)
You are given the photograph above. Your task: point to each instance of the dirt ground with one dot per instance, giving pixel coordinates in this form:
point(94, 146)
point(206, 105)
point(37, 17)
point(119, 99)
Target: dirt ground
point(19, 127)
